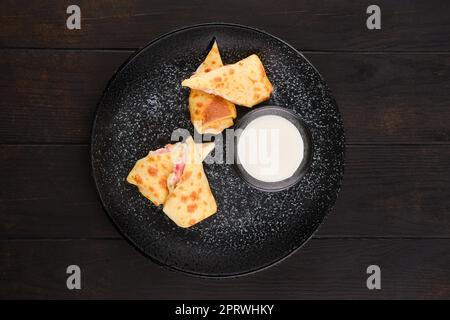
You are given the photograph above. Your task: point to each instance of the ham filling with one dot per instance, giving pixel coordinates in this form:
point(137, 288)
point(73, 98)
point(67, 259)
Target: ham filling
point(167, 148)
point(179, 162)
point(179, 155)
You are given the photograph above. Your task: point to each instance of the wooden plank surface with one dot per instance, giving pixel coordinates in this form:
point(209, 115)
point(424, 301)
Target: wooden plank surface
point(323, 268)
point(388, 191)
point(50, 96)
point(306, 24)
point(393, 90)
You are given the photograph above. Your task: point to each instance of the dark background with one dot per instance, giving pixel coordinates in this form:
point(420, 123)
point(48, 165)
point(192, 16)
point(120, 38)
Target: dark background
point(393, 90)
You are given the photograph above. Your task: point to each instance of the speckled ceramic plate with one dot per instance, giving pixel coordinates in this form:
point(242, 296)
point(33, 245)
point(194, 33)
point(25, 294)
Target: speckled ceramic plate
point(253, 229)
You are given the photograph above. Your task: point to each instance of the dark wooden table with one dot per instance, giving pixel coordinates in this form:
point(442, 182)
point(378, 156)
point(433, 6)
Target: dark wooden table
point(393, 89)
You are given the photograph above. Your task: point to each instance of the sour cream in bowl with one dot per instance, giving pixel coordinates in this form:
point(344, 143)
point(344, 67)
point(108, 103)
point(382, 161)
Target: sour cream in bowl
point(272, 148)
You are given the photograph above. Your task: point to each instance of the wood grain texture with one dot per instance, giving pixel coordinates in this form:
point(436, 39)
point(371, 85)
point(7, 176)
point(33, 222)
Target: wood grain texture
point(307, 24)
point(50, 96)
point(393, 90)
point(323, 268)
point(50, 194)
point(388, 191)
point(390, 98)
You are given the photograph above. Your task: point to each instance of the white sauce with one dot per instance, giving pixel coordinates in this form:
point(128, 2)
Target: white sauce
point(270, 148)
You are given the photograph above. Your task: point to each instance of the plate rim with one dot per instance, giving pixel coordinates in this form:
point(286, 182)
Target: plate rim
point(157, 262)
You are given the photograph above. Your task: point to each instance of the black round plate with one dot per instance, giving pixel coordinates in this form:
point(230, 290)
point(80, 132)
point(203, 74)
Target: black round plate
point(252, 229)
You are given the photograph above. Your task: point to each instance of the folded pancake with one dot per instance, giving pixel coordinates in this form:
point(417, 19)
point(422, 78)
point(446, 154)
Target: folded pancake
point(191, 200)
point(151, 174)
point(218, 126)
point(209, 113)
point(244, 83)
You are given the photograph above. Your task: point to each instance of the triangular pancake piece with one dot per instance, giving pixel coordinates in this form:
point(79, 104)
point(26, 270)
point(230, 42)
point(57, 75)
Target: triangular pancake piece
point(205, 148)
point(212, 61)
point(244, 83)
point(150, 174)
point(210, 113)
point(192, 200)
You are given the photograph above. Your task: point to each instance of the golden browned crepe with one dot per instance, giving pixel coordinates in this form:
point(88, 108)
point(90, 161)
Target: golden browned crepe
point(153, 173)
point(191, 200)
point(244, 83)
point(150, 174)
point(218, 126)
point(210, 113)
